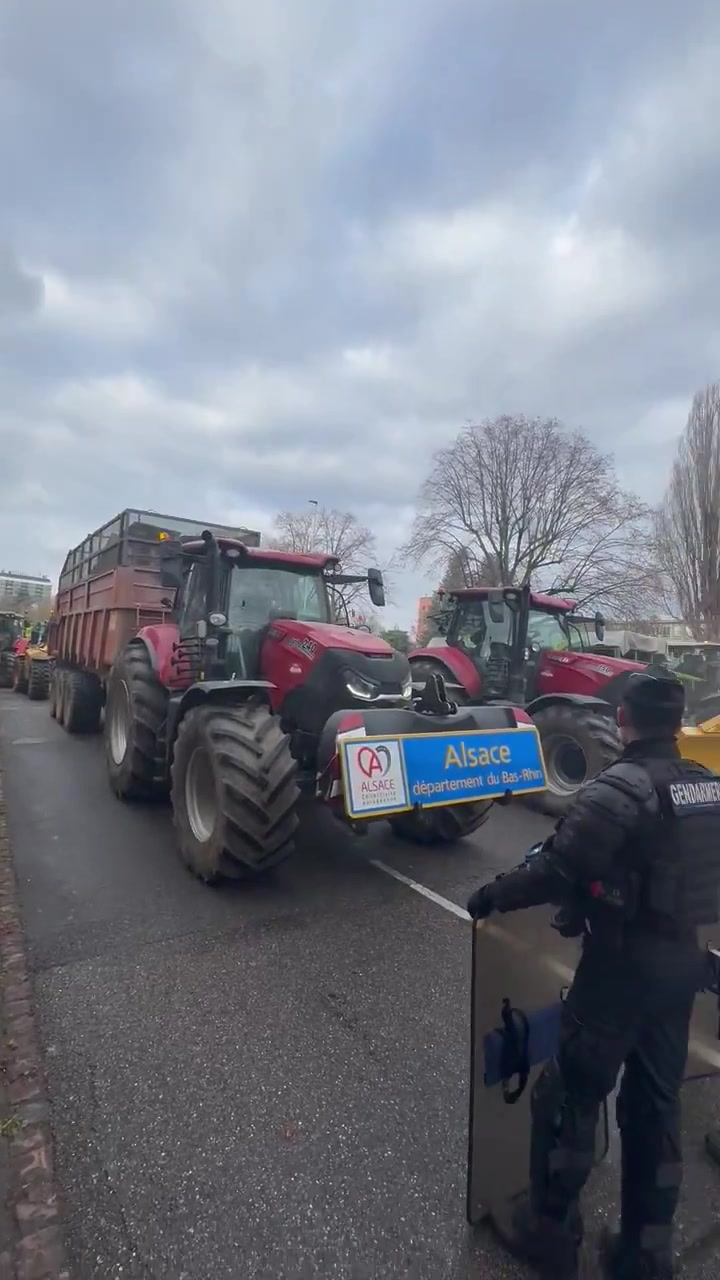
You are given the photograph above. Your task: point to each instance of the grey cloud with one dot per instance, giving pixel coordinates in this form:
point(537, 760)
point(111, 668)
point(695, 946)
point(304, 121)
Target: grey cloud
point(20, 292)
point(255, 186)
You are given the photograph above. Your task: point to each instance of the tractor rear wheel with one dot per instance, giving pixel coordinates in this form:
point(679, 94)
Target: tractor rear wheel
point(5, 671)
point(443, 825)
point(234, 790)
point(135, 711)
point(19, 676)
point(38, 679)
point(577, 743)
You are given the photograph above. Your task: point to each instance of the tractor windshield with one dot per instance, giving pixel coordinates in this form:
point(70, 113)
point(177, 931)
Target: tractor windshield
point(261, 592)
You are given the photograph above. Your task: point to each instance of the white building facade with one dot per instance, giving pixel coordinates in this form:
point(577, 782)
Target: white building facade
point(25, 587)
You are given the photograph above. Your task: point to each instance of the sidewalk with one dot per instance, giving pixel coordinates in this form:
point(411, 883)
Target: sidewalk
point(31, 1243)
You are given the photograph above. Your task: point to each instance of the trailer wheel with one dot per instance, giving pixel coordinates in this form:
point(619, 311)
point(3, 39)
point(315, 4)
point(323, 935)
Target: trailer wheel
point(443, 825)
point(81, 702)
point(38, 679)
point(19, 676)
point(55, 694)
point(135, 711)
point(577, 743)
point(234, 790)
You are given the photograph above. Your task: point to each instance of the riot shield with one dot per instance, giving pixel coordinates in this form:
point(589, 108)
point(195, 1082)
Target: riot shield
point(704, 1046)
point(521, 969)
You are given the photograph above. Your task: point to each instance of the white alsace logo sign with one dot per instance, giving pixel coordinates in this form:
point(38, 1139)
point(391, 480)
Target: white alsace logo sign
point(374, 776)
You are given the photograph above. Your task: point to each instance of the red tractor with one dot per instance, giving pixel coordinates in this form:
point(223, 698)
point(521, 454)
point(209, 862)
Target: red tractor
point(508, 644)
point(225, 678)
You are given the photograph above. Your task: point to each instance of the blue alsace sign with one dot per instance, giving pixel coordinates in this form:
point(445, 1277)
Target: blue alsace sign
point(389, 775)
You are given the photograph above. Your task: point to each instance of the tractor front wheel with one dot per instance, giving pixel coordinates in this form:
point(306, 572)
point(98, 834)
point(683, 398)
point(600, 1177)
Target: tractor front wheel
point(6, 670)
point(234, 791)
point(577, 744)
point(443, 825)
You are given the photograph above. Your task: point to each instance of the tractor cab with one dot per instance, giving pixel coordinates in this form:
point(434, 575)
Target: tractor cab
point(38, 635)
point(697, 664)
point(511, 644)
point(11, 628)
point(249, 615)
point(504, 631)
point(230, 599)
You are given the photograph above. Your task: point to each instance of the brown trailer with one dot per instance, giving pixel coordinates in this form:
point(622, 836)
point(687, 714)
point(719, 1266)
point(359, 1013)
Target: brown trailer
point(109, 589)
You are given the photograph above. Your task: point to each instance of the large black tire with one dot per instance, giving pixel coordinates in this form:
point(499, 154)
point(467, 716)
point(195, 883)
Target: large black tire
point(135, 712)
point(19, 676)
point(443, 825)
point(81, 702)
point(38, 679)
point(577, 743)
point(55, 694)
point(234, 790)
point(6, 671)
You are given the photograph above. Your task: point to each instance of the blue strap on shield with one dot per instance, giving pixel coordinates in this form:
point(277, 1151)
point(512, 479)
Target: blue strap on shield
point(524, 1041)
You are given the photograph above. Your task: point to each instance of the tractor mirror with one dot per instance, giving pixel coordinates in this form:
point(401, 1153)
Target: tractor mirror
point(496, 609)
point(376, 588)
point(600, 627)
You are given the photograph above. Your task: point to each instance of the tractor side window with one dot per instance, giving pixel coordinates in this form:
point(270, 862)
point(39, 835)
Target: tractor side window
point(194, 600)
point(545, 631)
point(311, 600)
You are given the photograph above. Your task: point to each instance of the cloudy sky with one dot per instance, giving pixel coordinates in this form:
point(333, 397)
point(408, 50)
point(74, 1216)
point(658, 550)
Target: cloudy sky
point(252, 255)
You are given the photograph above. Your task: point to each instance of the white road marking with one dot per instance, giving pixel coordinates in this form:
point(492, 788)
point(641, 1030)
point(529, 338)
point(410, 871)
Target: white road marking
point(700, 1048)
point(452, 907)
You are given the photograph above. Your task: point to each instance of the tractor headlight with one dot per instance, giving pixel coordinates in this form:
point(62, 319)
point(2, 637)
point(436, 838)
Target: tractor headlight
point(407, 686)
point(359, 687)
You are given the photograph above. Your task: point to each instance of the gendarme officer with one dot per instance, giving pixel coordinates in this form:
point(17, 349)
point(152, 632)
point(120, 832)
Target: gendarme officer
point(635, 868)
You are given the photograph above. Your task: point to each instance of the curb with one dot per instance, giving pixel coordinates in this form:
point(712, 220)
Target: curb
point(36, 1251)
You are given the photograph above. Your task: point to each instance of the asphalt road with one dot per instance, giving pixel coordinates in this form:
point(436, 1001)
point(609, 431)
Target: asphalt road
point(263, 1082)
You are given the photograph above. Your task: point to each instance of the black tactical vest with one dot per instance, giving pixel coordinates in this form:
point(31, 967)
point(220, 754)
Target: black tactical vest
point(680, 854)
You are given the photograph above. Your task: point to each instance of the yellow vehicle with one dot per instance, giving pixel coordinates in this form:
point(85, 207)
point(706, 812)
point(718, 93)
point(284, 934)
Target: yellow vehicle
point(32, 666)
point(701, 743)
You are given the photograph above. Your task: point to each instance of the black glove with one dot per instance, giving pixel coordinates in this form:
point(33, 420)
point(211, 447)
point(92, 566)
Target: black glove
point(480, 904)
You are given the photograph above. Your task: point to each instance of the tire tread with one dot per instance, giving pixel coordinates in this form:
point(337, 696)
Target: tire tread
point(258, 783)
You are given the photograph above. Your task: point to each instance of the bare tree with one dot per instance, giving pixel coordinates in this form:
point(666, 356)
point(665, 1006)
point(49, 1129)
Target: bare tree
point(465, 568)
point(528, 501)
point(688, 523)
point(33, 610)
point(335, 533)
